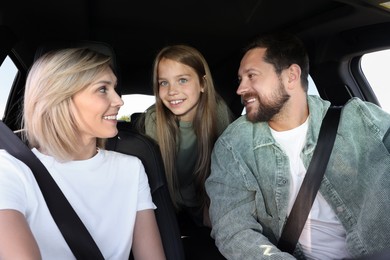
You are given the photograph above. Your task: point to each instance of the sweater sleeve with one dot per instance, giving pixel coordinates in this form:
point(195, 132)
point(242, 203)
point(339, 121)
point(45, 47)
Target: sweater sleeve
point(224, 116)
point(150, 122)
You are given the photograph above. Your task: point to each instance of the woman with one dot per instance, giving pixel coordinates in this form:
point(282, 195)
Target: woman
point(186, 120)
point(70, 108)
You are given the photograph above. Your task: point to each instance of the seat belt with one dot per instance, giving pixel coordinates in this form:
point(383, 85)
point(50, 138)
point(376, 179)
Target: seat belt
point(311, 183)
point(72, 228)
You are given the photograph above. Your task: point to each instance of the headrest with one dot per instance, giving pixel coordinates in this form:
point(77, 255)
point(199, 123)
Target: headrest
point(100, 47)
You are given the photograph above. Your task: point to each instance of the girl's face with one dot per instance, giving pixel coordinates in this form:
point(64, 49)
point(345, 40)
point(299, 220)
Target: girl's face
point(96, 107)
point(179, 88)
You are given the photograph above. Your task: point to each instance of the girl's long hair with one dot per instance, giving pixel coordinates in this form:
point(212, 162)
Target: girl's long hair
point(204, 122)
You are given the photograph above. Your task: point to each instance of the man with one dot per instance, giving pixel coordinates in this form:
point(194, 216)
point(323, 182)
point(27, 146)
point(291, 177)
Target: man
point(259, 163)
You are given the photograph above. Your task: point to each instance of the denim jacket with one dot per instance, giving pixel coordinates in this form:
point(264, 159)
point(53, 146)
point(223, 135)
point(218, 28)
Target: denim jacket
point(249, 182)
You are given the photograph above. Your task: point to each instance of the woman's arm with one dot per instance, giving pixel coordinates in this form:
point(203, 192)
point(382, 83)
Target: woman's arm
point(16, 239)
point(146, 239)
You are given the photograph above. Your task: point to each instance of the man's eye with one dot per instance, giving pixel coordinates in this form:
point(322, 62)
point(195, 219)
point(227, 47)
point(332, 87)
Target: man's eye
point(163, 83)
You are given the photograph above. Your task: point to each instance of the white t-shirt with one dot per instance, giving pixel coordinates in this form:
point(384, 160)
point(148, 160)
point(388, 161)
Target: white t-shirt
point(323, 237)
point(106, 191)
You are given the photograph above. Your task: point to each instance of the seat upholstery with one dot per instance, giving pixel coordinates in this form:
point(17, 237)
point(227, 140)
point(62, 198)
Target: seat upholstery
point(129, 141)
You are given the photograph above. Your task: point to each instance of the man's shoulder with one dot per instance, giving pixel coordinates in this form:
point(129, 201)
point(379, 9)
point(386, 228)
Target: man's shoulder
point(240, 123)
point(238, 131)
point(368, 109)
point(367, 112)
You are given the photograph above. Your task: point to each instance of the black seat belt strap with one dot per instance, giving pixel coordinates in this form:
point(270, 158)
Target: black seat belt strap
point(311, 183)
point(73, 230)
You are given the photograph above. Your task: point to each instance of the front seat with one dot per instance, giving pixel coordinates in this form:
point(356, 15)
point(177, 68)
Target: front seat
point(131, 142)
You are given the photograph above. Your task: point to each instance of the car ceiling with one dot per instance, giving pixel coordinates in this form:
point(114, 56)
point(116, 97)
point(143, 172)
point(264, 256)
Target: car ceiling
point(218, 28)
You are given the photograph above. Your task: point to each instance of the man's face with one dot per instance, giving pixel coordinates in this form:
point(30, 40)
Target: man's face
point(261, 89)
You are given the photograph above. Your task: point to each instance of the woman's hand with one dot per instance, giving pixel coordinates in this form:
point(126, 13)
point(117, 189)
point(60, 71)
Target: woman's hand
point(16, 238)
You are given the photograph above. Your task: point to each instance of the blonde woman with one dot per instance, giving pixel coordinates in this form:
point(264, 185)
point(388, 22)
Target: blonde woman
point(70, 108)
point(186, 120)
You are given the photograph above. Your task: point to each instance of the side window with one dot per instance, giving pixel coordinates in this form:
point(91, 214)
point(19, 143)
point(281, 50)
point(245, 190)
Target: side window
point(375, 67)
point(134, 103)
point(312, 88)
point(8, 73)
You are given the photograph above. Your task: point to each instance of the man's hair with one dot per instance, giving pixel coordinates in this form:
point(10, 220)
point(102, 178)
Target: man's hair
point(52, 81)
point(283, 50)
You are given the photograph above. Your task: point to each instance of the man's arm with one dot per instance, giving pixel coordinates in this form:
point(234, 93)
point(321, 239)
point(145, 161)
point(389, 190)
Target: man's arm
point(233, 210)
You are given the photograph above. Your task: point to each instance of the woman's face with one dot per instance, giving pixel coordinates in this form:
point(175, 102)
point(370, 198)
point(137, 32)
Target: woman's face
point(179, 88)
point(96, 107)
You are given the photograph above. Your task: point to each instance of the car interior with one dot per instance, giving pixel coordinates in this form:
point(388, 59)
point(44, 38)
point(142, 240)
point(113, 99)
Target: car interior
point(336, 33)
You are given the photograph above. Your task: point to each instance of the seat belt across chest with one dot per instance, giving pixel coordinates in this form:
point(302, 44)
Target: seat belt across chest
point(312, 181)
point(72, 228)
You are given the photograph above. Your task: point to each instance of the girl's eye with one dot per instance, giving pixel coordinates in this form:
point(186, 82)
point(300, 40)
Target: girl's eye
point(163, 83)
point(183, 81)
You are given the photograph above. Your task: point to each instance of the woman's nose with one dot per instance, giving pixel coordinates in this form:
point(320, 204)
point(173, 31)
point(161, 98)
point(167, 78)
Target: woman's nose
point(117, 101)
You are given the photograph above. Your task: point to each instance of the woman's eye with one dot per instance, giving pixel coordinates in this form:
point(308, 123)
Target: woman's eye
point(183, 81)
point(103, 89)
point(163, 83)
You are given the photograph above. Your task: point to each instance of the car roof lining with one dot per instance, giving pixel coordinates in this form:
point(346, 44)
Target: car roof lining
point(332, 30)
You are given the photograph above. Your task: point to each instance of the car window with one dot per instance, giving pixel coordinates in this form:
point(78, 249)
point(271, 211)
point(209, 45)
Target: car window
point(312, 87)
point(375, 67)
point(8, 73)
point(134, 103)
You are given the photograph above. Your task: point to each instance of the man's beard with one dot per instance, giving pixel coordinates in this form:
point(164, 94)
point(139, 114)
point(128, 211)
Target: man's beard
point(268, 107)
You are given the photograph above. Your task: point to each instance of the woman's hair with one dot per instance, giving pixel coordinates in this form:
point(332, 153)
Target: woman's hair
point(53, 80)
point(204, 122)
point(283, 50)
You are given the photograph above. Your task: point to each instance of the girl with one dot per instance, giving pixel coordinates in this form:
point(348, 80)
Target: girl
point(186, 120)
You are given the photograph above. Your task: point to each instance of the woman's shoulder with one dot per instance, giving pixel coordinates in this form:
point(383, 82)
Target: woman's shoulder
point(9, 161)
point(120, 158)
point(13, 168)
